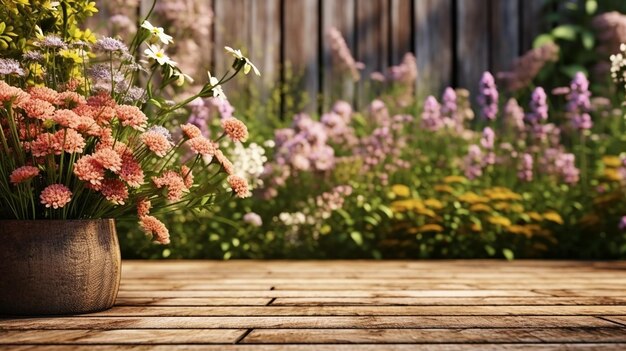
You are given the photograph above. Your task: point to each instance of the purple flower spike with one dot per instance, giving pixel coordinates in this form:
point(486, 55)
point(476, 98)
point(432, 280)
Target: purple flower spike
point(488, 97)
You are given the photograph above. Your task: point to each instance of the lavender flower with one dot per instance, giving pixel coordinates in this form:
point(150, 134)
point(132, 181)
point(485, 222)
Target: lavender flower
point(33, 56)
point(514, 116)
point(431, 117)
point(565, 163)
point(488, 97)
point(341, 54)
point(622, 223)
point(488, 138)
point(579, 103)
point(526, 67)
point(538, 107)
point(253, 219)
point(52, 42)
point(473, 162)
point(525, 171)
point(10, 67)
point(108, 44)
point(449, 104)
point(344, 109)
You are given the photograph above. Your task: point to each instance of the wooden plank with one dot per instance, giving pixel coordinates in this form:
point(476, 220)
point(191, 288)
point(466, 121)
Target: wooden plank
point(447, 301)
point(345, 347)
point(231, 311)
point(472, 46)
point(372, 45)
point(336, 84)
point(400, 13)
point(361, 322)
point(121, 336)
point(264, 45)
point(336, 293)
point(505, 35)
point(425, 336)
point(532, 21)
point(433, 45)
point(300, 47)
point(619, 320)
point(192, 301)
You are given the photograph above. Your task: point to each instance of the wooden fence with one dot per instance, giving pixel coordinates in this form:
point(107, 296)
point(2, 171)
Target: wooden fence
point(454, 40)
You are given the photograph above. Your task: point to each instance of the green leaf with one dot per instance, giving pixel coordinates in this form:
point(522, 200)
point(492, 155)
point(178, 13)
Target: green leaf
point(357, 237)
point(542, 39)
point(591, 6)
point(565, 31)
point(508, 254)
point(570, 71)
point(588, 40)
point(3, 26)
point(490, 250)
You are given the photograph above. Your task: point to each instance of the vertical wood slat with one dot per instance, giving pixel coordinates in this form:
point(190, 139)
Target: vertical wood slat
point(472, 44)
point(232, 18)
point(531, 11)
point(300, 47)
point(400, 30)
point(433, 45)
point(505, 36)
point(336, 84)
point(372, 30)
point(264, 44)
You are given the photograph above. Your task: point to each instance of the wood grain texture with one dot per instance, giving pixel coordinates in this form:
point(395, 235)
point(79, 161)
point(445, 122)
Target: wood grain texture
point(336, 305)
point(58, 266)
point(472, 46)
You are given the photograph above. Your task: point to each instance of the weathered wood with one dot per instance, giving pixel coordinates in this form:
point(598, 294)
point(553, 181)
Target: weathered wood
point(264, 46)
point(505, 34)
point(446, 301)
point(180, 311)
point(433, 45)
point(472, 46)
point(400, 14)
point(425, 336)
point(58, 266)
point(300, 47)
point(362, 322)
point(192, 301)
point(532, 23)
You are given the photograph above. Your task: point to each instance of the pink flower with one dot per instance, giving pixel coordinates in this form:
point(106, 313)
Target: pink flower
point(143, 207)
point(131, 171)
point(114, 190)
point(88, 169)
point(68, 140)
point(44, 93)
point(235, 129)
point(56, 196)
point(187, 175)
point(23, 174)
point(155, 228)
point(131, 116)
point(224, 162)
point(70, 99)
point(156, 142)
point(66, 118)
point(239, 186)
point(42, 145)
point(203, 146)
point(8, 93)
point(38, 109)
point(109, 159)
point(191, 131)
point(173, 182)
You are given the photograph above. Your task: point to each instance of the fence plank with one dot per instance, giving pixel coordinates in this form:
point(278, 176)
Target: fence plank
point(433, 45)
point(532, 21)
point(337, 85)
point(300, 47)
point(505, 36)
point(472, 43)
point(264, 45)
point(372, 28)
point(400, 29)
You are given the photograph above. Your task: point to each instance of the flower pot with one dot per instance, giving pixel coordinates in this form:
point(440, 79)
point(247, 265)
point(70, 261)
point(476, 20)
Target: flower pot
point(58, 266)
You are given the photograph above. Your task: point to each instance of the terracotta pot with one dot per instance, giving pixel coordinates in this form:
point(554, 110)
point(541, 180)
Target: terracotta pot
point(58, 266)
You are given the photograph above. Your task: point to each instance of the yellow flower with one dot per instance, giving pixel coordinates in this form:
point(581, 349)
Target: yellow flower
point(612, 174)
point(443, 188)
point(472, 198)
point(520, 229)
point(433, 203)
point(425, 211)
point(476, 227)
point(406, 205)
point(502, 194)
point(553, 217)
point(454, 179)
point(436, 228)
point(499, 220)
point(535, 216)
point(517, 208)
point(480, 208)
point(401, 190)
point(611, 161)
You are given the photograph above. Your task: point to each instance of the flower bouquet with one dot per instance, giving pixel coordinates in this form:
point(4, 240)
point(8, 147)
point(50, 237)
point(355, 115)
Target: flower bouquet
point(86, 132)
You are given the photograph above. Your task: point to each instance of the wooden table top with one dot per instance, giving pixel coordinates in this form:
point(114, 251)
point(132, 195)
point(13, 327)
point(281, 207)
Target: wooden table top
point(333, 305)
